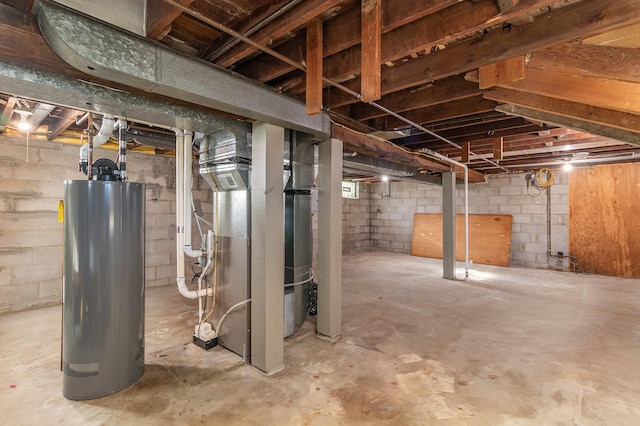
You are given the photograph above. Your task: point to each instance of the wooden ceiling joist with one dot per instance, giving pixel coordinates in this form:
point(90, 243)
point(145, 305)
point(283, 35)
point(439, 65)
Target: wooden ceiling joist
point(615, 63)
point(559, 26)
point(371, 49)
point(507, 71)
point(342, 32)
point(572, 123)
point(579, 111)
point(440, 92)
point(617, 95)
point(373, 146)
point(293, 19)
point(160, 15)
point(445, 111)
point(63, 123)
point(314, 67)
point(7, 112)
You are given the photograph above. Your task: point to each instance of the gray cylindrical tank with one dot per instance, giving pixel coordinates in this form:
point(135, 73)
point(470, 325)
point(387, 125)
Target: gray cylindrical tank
point(103, 296)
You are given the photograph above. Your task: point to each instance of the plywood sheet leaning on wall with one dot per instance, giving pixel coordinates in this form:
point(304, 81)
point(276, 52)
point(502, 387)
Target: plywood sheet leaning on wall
point(604, 219)
point(489, 237)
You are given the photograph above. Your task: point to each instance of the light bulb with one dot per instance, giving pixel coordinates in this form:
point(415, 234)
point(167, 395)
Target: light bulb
point(23, 125)
point(384, 178)
point(567, 167)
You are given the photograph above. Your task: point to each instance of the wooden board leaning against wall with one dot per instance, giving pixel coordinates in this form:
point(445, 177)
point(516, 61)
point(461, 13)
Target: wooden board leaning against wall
point(604, 219)
point(489, 237)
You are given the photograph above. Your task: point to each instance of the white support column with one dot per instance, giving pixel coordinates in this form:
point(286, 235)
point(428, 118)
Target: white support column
point(267, 248)
point(329, 239)
point(449, 225)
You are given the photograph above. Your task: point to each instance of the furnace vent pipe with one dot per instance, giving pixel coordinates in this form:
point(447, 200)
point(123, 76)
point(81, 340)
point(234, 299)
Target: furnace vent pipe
point(105, 132)
point(187, 182)
point(180, 228)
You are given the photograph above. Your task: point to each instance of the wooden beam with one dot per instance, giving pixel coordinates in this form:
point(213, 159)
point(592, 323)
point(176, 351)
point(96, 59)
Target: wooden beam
point(7, 113)
point(444, 111)
point(160, 15)
point(439, 92)
point(314, 67)
point(466, 151)
point(423, 140)
point(439, 28)
point(63, 123)
point(615, 63)
point(622, 37)
point(242, 26)
point(371, 50)
point(512, 69)
point(604, 93)
point(372, 146)
point(341, 32)
point(506, 5)
point(290, 21)
point(454, 23)
point(572, 123)
point(588, 113)
point(498, 148)
point(558, 26)
point(479, 128)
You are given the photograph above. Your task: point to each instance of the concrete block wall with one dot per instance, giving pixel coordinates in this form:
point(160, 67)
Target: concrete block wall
point(31, 238)
point(392, 210)
point(356, 222)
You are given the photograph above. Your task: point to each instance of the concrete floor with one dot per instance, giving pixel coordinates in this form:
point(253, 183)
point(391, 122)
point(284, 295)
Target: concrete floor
point(510, 346)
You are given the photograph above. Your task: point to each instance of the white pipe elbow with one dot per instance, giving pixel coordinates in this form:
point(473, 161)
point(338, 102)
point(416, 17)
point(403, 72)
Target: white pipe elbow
point(191, 294)
point(191, 252)
point(106, 130)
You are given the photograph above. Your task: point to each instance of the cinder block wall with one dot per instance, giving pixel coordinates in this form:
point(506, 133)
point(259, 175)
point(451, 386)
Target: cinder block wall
point(31, 237)
point(392, 210)
point(356, 222)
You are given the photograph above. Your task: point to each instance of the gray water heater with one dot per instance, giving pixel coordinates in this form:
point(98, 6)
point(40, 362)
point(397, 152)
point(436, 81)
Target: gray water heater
point(103, 296)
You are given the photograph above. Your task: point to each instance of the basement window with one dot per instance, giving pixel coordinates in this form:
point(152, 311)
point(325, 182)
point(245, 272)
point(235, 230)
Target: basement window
point(350, 190)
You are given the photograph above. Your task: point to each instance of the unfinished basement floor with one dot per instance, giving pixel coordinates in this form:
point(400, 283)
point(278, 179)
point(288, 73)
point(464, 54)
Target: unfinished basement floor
point(510, 346)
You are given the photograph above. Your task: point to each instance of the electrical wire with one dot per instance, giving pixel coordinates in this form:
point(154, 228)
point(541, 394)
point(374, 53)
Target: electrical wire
point(548, 179)
point(195, 213)
point(226, 314)
point(200, 218)
point(301, 282)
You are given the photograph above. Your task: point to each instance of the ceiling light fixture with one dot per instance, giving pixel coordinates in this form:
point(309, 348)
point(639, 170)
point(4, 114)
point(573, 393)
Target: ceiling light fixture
point(384, 178)
point(23, 124)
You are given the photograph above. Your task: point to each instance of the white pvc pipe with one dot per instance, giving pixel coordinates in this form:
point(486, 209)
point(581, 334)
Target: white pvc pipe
point(180, 278)
point(105, 132)
point(188, 177)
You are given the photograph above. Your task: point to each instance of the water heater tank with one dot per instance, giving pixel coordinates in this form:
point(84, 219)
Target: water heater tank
point(103, 296)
